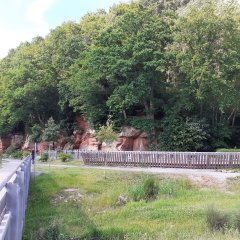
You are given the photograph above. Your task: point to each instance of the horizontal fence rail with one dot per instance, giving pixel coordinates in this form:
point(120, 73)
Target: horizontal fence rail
point(13, 200)
point(202, 160)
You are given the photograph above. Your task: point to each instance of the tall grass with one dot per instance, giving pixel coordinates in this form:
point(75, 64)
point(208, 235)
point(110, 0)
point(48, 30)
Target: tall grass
point(177, 212)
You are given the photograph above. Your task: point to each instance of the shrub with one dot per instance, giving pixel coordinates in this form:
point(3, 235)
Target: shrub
point(105, 234)
point(106, 133)
point(184, 135)
point(137, 192)
point(44, 157)
point(50, 233)
point(237, 221)
point(146, 190)
point(217, 220)
point(17, 154)
point(64, 157)
point(10, 150)
point(151, 189)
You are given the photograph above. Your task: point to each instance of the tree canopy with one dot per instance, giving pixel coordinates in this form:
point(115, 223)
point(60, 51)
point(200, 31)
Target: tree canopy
point(170, 68)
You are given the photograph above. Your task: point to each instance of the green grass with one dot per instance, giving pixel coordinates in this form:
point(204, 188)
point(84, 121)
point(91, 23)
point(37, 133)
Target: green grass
point(59, 162)
point(228, 150)
point(179, 212)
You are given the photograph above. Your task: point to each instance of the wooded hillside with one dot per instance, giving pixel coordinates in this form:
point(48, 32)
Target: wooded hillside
point(169, 68)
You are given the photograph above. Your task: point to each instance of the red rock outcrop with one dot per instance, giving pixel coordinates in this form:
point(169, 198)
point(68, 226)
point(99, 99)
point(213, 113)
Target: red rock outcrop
point(42, 146)
point(77, 140)
point(125, 144)
point(62, 141)
point(105, 147)
point(89, 142)
point(4, 143)
point(17, 141)
point(27, 145)
point(82, 123)
point(129, 132)
point(140, 144)
point(131, 139)
point(68, 146)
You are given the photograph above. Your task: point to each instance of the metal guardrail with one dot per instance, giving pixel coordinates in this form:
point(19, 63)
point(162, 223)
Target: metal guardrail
point(13, 199)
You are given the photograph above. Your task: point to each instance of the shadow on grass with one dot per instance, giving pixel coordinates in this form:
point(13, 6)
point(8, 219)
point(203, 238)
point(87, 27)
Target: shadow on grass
point(46, 221)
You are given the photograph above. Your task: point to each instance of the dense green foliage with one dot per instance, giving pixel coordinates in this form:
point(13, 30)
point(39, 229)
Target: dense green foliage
point(64, 157)
point(170, 68)
point(106, 133)
point(146, 190)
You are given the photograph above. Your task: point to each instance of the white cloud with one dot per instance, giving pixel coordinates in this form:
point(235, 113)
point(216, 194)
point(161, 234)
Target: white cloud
point(28, 22)
point(36, 11)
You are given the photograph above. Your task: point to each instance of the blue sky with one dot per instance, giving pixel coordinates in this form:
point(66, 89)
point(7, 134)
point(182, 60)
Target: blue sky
point(21, 20)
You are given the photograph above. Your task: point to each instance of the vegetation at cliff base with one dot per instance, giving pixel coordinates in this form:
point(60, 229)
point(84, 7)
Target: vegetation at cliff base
point(169, 68)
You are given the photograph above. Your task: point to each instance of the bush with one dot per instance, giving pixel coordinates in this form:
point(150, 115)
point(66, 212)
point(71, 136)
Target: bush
point(184, 135)
point(151, 189)
point(106, 133)
point(217, 220)
point(51, 233)
point(44, 157)
point(146, 190)
point(15, 153)
point(105, 234)
point(220, 221)
point(137, 192)
point(64, 157)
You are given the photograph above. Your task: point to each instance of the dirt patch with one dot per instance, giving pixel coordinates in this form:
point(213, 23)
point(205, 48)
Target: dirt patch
point(209, 182)
point(68, 195)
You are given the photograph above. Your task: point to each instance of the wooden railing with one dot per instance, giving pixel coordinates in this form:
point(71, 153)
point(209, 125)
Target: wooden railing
point(14, 183)
point(204, 160)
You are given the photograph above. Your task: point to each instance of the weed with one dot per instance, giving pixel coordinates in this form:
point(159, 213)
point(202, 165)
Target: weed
point(151, 189)
point(50, 233)
point(64, 157)
point(146, 190)
point(217, 220)
point(136, 192)
point(106, 234)
point(44, 157)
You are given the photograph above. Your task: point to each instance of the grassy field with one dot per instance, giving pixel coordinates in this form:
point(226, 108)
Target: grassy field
point(83, 204)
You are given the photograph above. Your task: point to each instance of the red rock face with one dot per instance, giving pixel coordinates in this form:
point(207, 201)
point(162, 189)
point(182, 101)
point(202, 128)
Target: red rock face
point(110, 147)
point(140, 144)
point(82, 123)
point(27, 145)
point(4, 143)
point(68, 147)
point(89, 143)
point(132, 140)
point(77, 140)
point(17, 141)
point(126, 144)
point(42, 146)
point(61, 142)
point(129, 132)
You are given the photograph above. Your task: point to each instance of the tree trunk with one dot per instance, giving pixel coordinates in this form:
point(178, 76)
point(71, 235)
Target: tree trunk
point(124, 114)
point(234, 117)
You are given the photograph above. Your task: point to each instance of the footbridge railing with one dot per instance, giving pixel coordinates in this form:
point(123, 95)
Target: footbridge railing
point(14, 184)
